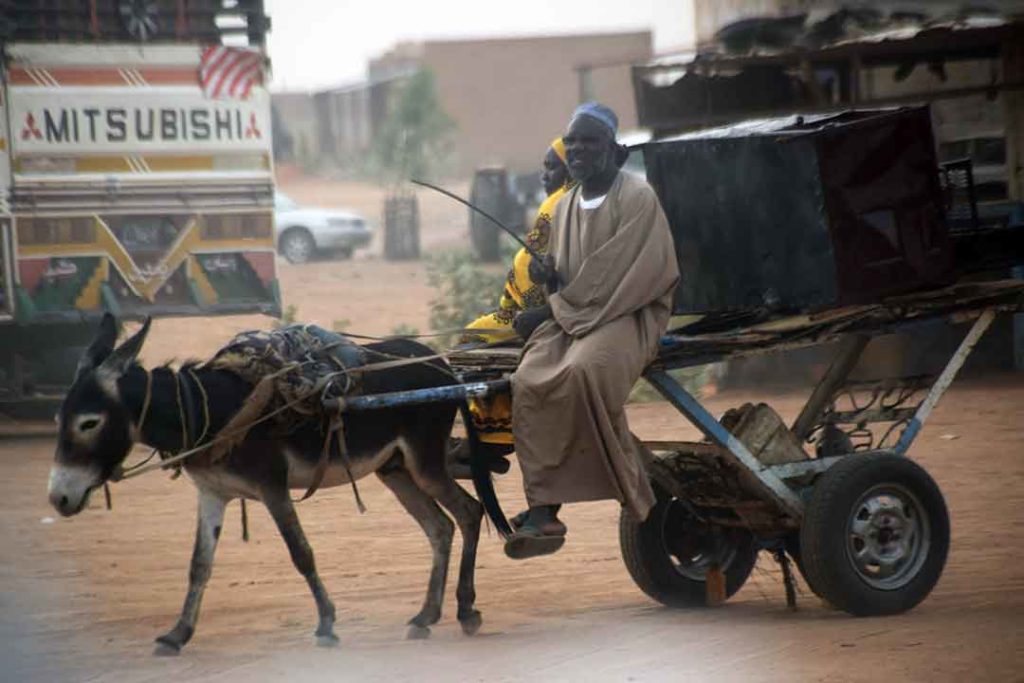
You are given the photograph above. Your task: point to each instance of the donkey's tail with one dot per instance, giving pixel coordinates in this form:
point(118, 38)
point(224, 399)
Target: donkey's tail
point(482, 481)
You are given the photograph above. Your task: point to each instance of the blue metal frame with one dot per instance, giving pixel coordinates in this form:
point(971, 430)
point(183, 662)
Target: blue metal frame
point(774, 487)
point(945, 379)
point(455, 393)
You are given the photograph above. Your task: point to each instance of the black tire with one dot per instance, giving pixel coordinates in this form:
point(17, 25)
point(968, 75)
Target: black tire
point(297, 245)
point(869, 508)
point(662, 575)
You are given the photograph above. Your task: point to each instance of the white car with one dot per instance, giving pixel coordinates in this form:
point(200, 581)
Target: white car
point(302, 233)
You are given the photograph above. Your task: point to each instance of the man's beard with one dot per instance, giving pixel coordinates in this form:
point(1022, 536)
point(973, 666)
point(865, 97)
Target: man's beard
point(592, 168)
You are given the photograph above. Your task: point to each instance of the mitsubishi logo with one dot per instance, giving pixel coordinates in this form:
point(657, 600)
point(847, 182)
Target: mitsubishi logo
point(31, 130)
point(252, 130)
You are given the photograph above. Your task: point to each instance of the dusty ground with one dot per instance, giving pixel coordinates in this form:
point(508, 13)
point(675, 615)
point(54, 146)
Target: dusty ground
point(82, 598)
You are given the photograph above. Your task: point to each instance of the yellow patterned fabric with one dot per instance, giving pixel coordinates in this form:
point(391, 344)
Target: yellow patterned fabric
point(520, 291)
point(493, 417)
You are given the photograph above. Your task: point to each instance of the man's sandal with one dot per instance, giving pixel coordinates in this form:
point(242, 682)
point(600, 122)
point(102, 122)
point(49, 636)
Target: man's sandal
point(530, 542)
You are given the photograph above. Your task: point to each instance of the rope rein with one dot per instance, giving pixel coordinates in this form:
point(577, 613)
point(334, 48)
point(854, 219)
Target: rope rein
point(146, 400)
point(206, 405)
point(181, 409)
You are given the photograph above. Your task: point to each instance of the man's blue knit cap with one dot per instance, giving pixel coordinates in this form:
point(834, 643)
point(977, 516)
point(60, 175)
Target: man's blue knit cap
point(600, 113)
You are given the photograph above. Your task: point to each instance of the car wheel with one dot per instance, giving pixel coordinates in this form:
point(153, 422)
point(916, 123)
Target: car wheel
point(669, 554)
point(297, 245)
point(875, 535)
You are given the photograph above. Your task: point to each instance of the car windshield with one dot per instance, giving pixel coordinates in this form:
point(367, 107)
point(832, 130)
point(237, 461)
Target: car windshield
point(283, 202)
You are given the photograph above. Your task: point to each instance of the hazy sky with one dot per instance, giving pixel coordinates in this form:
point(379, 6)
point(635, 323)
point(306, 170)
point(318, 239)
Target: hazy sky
point(322, 43)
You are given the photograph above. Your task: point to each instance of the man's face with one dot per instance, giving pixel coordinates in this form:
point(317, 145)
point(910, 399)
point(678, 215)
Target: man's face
point(588, 148)
point(554, 174)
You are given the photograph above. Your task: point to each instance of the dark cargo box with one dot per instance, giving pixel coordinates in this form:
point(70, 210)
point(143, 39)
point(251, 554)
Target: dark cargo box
point(804, 213)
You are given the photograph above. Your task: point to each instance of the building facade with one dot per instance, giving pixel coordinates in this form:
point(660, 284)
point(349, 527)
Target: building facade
point(508, 97)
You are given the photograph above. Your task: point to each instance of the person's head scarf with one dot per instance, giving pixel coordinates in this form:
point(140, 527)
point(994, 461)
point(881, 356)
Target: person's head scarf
point(558, 147)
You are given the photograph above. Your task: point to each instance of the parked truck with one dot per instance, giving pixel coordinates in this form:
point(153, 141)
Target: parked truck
point(136, 176)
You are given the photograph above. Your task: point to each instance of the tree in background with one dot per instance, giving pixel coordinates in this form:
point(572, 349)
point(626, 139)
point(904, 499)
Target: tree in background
point(415, 141)
point(416, 138)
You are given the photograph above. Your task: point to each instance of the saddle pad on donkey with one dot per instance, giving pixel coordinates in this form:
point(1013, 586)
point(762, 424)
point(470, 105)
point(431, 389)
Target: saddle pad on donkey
point(294, 366)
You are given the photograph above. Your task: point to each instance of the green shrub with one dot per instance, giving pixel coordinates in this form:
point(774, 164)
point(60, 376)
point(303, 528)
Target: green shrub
point(464, 291)
point(692, 379)
point(404, 330)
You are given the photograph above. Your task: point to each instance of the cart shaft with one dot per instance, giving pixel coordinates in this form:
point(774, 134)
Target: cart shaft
point(455, 393)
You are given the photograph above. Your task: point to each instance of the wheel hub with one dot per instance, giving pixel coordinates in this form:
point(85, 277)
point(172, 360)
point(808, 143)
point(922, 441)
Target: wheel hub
point(691, 546)
point(888, 537)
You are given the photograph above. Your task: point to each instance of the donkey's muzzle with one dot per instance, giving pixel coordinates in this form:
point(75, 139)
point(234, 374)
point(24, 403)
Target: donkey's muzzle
point(69, 488)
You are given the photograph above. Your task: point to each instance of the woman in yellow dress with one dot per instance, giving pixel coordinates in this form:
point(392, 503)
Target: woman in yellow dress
point(493, 417)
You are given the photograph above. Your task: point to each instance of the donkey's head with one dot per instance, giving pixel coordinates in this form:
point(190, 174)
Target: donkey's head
point(95, 428)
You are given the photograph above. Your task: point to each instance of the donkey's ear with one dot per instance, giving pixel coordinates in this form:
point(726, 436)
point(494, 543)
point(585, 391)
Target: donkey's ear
point(124, 355)
point(101, 347)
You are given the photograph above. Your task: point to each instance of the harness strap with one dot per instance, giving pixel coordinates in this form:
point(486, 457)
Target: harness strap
point(181, 410)
point(144, 413)
point(206, 406)
point(189, 412)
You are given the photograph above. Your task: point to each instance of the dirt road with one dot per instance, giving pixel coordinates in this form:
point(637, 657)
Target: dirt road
point(82, 598)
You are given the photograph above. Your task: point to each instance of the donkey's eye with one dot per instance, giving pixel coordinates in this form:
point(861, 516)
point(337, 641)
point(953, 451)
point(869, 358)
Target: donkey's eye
point(88, 424)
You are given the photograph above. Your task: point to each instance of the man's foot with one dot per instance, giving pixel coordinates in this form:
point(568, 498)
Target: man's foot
point(520, 519)
point(540, 533)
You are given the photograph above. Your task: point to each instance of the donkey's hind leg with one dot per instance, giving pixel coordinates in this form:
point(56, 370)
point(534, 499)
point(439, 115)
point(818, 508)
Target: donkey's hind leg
point(283, 512)
point(439, 530)
point(433, 477)
point(208, 526)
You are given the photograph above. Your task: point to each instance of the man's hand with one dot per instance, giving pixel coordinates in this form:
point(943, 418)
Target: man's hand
point(543, 272)
point(529, 320)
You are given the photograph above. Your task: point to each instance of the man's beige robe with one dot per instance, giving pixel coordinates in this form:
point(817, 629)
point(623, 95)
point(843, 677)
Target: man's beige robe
point(618, 268)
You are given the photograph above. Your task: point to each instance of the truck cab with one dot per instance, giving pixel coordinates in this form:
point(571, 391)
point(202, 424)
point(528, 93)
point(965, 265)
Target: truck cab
point(136, 175)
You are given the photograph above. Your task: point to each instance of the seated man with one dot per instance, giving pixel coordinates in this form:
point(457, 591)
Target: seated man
point(613, 259)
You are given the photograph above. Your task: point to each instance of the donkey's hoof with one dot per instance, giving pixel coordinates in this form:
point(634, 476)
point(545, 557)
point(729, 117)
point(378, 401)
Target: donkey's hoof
point(471, 624)
point(166, 647)
point(327, 640)
point(417, 632)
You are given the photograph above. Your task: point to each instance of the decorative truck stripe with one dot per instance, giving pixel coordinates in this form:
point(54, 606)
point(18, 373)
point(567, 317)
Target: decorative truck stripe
point(152, 163)
point(229, 72)
point(102, 75)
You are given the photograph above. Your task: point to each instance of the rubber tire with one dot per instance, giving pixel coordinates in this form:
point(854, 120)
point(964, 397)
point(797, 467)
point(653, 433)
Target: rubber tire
point(297, 234)
point(823, 538)
point(652, 569)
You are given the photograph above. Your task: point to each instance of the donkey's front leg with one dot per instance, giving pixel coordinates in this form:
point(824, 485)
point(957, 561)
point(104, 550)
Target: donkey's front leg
point(283, 512)
point(211, 518)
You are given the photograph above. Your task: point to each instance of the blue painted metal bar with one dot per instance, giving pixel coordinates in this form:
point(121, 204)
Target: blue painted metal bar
point(945, 379)
point(447, 394)
point(773, 486)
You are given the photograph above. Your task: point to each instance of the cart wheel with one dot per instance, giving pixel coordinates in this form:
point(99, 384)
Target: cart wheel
point(875, 535)
point(668, 554)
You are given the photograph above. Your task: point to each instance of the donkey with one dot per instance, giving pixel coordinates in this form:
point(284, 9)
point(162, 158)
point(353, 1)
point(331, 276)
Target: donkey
point(114, 402)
